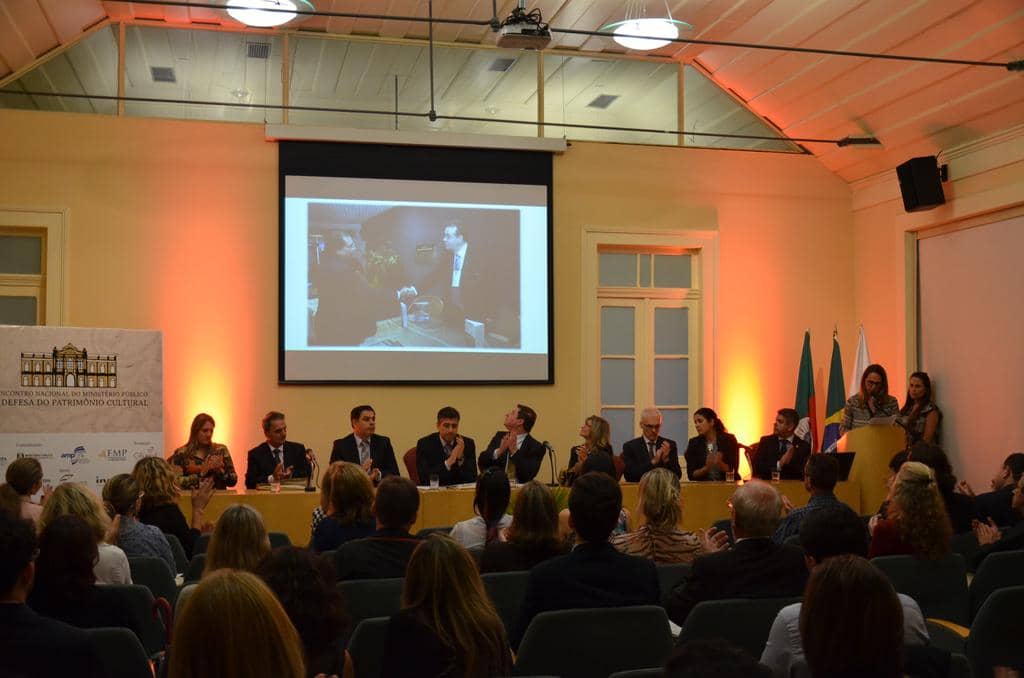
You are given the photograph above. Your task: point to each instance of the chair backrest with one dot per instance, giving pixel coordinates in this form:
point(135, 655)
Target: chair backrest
point(944, 637)
point(670, 575)
point(997, 571)
point(279, 539)
point(368, 598)
point(410, 465)
point(154, 574)
point(427, 531)
point(178, 551)
point(966, 544)
point(194, 571)
point(938, 586)
point(366, 647)
point(183, 595)
point(121, 652)
point(506, 590)
point(137, 607)
point(609, 639)
point(639, 673)
point(995, 638)
point(202, 541)
point(743, 622)
point(959, 667)
point(619, 464)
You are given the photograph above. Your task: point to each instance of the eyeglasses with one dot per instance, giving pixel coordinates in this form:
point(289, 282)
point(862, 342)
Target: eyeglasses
point(652, 427)
point(870, 382)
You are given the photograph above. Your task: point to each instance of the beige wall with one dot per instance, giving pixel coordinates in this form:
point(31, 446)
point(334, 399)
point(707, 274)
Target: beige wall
point(173, 226)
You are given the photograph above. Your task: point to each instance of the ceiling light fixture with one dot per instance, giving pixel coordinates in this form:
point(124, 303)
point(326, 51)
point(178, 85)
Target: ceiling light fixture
point(641, 32)
point(267, 13)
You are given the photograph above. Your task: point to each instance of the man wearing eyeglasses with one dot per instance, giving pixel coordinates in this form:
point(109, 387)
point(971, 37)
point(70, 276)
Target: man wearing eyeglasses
point(650, 450)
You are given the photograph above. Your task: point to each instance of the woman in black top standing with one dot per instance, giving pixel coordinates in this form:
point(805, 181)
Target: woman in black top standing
point(713, 452)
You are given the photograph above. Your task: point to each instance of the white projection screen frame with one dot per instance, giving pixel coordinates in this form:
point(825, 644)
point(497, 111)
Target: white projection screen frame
point(407, 267)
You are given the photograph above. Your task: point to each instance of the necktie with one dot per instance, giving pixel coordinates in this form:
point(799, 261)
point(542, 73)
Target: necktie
point(364, 451)
point(447, 450)
point(783, 447)
point(650, 449)
point(277, 455)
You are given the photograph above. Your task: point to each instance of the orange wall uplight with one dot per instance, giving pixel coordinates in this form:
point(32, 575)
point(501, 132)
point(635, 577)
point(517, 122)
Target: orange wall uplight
point(742, 407)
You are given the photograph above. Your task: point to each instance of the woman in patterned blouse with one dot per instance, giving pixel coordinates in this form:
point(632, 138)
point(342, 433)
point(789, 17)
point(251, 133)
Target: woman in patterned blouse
point(122, 499)
point(920, 415)
point(872, 402)
point(202, 458)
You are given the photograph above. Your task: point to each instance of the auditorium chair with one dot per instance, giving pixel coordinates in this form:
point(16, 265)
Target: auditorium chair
point(277, 540)
point(120, 652)
point(410, 465)
point(194, 571)
point(202, 541)
point(966, 544)
point(183, 595)
point(959, 666)
point(154, 574)
point(997, 571)
point(938, 586)
point(995, 638)
point(180, 557)
point(744, 622)
point(671, 575)
point(427, 531)
point(366, 647)
point(610, 639)
point(142, 610)
point(506, 590)
point(367, 598)
point(639, 673)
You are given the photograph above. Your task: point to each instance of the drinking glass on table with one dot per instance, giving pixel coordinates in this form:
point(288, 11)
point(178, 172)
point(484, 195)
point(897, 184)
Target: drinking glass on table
point(435, 481)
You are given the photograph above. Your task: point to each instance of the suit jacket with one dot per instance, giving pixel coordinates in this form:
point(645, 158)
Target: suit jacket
point(384, 555)
point(754, 568)
point(469, 299)
point(638, 458)
point(262, 464)
point(768, 455)
point(383, 455)
point(997, 505)
point(591, 575)
point(33, 645)
point(527, 459)
point(430, 459)
point(697, 452)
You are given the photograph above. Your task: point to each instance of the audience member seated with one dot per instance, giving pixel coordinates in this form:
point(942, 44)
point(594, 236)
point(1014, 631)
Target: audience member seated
point(121, 498)
point(25, 476)
point(895, 463)
point(385, 553)
point(10, 502)
point(320, 511)
point(232, 626)
point(821, 472)
point(851, 621)
point(531, 538)
point(601, 463)
point(832, 531)
point(920, 417)
point(997, 506)
point(72, 499)
point(756, 567)
point(350, 508)
point(960, 507)
point(659, 538)
point(993, 539)
point(596, 434)
point(448, 625)
point(238, 542)
point(783, 451)
point(490, 502)
point(304, 584)
point(917, 523)
point(160, 502)
point(713, 452)
point(872, 402)
point(201, 458)
point(593, 574)
point(446, 454)
point(33, 645)
point(650, 450)
point(713, 658)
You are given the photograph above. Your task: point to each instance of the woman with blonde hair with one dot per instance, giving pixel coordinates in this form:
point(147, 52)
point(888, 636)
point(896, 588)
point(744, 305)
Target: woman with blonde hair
point(320, 511)
point(916, 523)
point(72, 499)
point(596, 434)
point(659, 538)
point(349, 509)
point(159, 506)
point(448, 626)
point(239, 540)
point(531, 538)
point(232, 626)
point(201, 458)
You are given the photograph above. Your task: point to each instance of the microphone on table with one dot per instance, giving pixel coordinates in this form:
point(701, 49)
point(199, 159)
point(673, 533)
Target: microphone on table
point(311, 458)
point(551, 461)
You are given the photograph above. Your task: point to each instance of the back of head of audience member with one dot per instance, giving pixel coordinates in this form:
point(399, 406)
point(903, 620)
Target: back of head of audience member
point(821, 473)
point(1013, 467)
point(851, 621)
point(832, 531)
point(935, 458)
point(443, 587)
point(715, 658)
point(600, 462)
point(25, 476)
point(535, 517)
point(156, 481)
point(121, 495)
point(74, 499)
point(10, 501)
point(756, 510)
point(304, 583)
point(351, 498)
point(232, 626)
point(68, 551)
point(396, 504)
point(18, 544)
point(239, 540)
point(595, 502)
point(327, 485)
point(659, 500)
point(490, 501)
point(920, 514)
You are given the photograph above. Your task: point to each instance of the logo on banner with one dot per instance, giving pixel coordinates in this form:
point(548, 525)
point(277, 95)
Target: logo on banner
point(67, 477)
point(100, 480)
point(3, 460)
point(77, 456)
point(114, 455)
point(35, 455)
point(68, 367)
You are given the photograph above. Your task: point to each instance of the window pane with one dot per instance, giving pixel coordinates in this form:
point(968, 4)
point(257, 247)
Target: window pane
point(21, 254)
point(645, 270)
point(675, 425)
point(621, 422)
point(617, 330)
point(617, 270)
point(671, 381)
point(17, 310)
point(616, 381)
point(672, 270)
point(671, 331)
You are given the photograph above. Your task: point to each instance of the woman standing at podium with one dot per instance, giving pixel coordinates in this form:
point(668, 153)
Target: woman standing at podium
point(920, 416)
point(202, 458)
point(872, 402)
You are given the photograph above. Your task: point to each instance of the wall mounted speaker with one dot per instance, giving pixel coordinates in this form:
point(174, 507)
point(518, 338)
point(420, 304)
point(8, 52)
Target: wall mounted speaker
point(920, 184)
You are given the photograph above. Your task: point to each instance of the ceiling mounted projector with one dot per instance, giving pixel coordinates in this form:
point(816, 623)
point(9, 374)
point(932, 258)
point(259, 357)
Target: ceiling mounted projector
point(523, 30)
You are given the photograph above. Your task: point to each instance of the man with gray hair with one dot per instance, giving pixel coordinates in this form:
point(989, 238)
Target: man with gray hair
point(756, 567)
point(650, 450)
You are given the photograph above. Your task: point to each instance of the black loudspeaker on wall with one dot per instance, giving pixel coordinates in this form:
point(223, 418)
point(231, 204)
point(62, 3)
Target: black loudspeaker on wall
point(920, 184)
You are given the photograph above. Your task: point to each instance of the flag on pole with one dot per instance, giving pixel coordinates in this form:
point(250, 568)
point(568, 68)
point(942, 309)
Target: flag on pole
point(808, 426)
point(859, 365)
point(836, 400)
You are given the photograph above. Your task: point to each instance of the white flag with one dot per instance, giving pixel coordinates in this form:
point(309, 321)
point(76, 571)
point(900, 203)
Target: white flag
point(859, 364)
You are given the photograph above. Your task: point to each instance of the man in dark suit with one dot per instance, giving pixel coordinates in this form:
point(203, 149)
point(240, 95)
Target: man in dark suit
point(784, 448)
point(650, 450)
point(997, 505)
point(278, 456)
point(384, 554)
point(364, 447)
point(593, 574)
point(446, 454)
point(756, 567)
point(515, 447)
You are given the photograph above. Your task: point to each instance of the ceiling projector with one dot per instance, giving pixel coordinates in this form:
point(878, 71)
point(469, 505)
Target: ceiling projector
point(523, 30)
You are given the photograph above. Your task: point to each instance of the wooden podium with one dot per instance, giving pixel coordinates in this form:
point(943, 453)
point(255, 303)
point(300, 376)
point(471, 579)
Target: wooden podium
point(874, 446)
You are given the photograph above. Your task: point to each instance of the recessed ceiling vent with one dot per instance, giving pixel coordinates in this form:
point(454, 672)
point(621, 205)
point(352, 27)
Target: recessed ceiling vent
point(603, 101)
point(257, 50)
point(162, 74)
point(501, 64)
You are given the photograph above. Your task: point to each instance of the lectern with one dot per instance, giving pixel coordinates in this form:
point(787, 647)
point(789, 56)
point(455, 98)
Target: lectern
point(874, 446)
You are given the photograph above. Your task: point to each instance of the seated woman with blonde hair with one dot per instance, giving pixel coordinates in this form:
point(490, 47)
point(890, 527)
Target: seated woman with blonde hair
point(239, 540)
point(917, 523)
point(660, 539)
point(596, 433)
point(349, 508)
point(73, 499)
point(531, 538)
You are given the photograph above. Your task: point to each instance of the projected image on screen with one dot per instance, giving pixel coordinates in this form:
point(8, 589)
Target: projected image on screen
point(401, 276)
